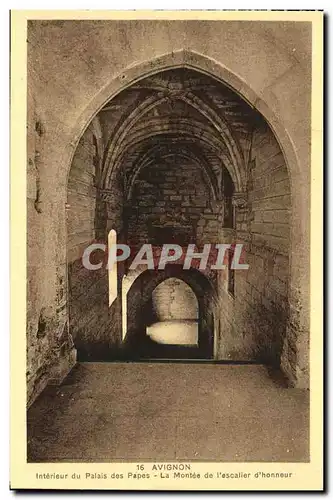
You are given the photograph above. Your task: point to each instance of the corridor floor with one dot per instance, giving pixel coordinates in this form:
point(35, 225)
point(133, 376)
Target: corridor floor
point(169, 411)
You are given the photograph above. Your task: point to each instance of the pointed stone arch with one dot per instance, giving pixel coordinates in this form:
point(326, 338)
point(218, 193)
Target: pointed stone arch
point(192, 60)
point(220, 125)
point(210, 67)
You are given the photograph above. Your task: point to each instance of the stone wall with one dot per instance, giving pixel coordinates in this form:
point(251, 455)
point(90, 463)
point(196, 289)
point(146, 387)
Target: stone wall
point(81, 199)
point(254, 319)
point(174, 300)
point(95, 328)
point(49, 347)
point(173, 195)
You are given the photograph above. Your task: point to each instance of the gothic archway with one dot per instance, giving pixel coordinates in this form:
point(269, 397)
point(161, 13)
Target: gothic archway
point(187, 115)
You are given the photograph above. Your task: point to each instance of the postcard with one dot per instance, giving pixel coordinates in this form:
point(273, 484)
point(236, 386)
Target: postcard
point(166, 270)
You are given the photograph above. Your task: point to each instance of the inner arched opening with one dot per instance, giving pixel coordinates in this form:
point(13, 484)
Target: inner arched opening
point(169, 314)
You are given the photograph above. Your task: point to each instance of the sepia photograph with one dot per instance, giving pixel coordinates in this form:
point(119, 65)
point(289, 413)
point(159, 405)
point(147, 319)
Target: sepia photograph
point(168, 193)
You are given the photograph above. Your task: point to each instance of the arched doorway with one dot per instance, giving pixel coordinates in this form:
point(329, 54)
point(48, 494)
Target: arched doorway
point(186, 329)
point(187, 160)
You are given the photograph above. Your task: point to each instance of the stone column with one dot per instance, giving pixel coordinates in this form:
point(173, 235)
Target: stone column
point(240, 209)
point(111, 205)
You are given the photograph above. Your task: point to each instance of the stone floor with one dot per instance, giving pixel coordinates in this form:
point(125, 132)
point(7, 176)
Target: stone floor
point(169, 411)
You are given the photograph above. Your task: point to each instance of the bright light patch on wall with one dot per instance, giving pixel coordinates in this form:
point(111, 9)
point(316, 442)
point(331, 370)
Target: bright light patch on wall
point(112, 266)
point(126, 284)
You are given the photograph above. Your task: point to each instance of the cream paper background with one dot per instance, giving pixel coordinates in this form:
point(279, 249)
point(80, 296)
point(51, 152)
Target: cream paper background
point(305, 476)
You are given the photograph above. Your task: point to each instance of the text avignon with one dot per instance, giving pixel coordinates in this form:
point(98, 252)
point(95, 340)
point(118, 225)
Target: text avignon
point(169, 467)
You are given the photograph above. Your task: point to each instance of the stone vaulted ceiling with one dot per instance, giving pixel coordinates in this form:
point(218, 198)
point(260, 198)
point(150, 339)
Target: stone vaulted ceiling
point(178, 112)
